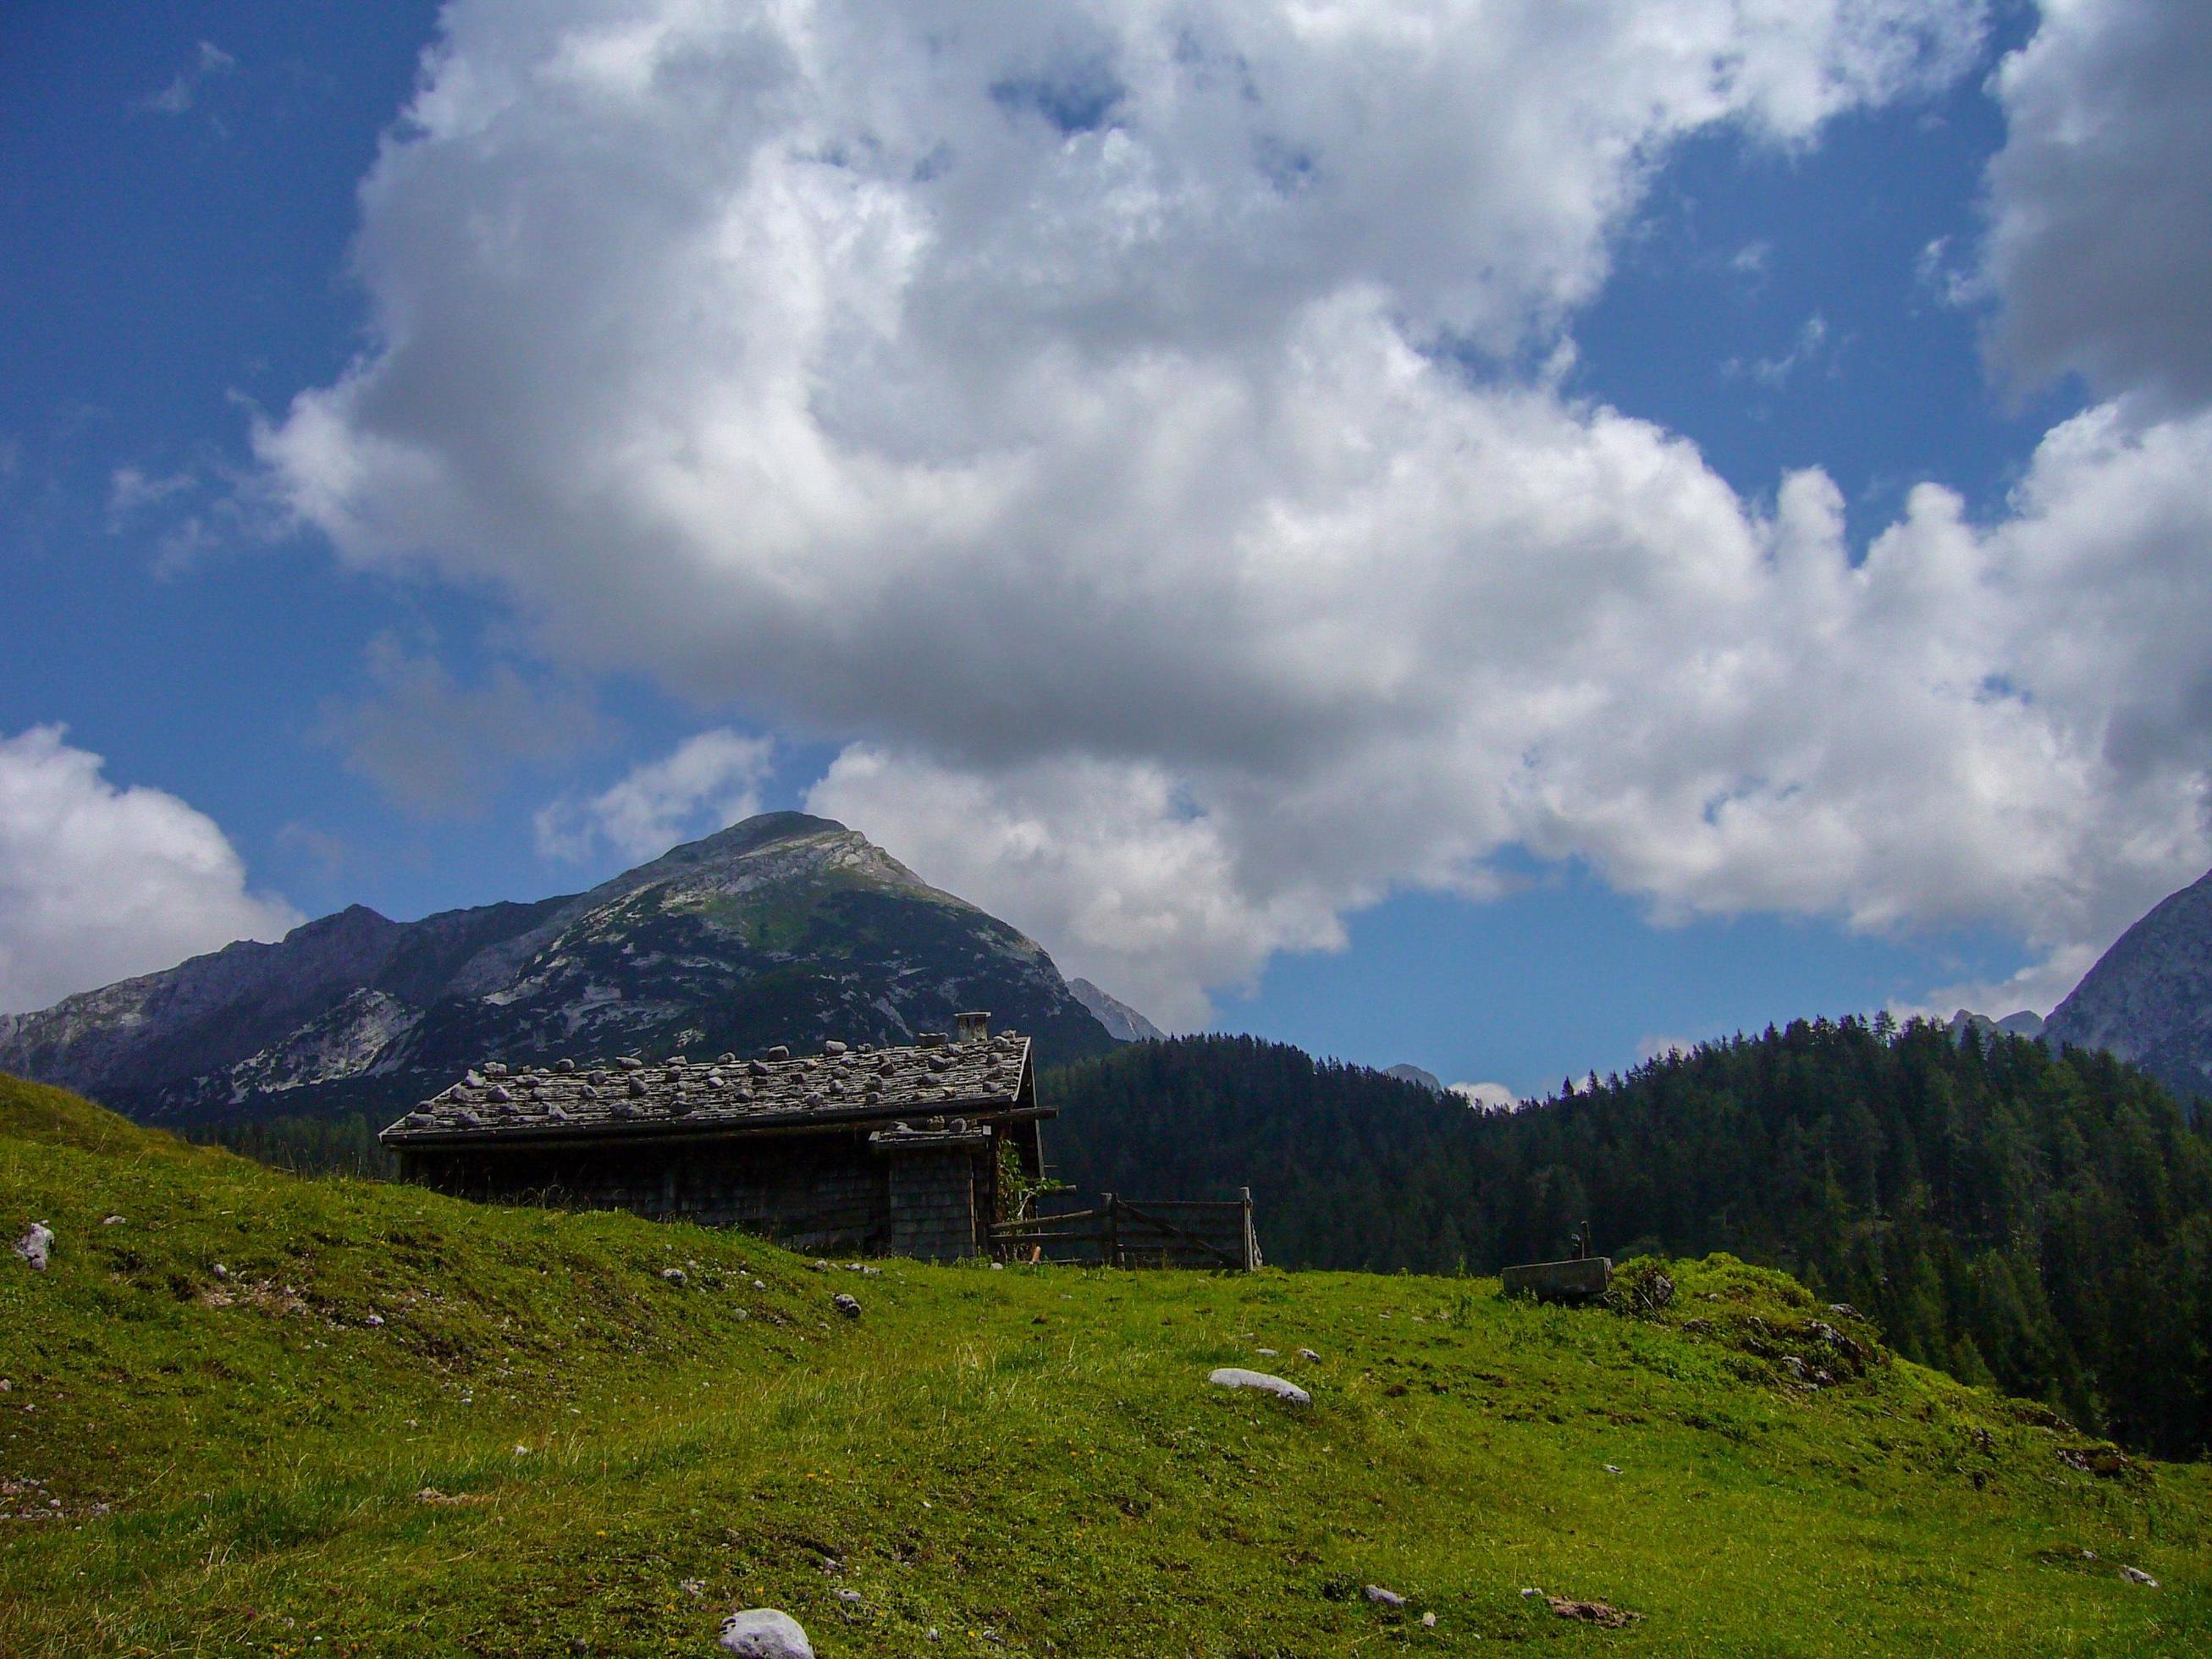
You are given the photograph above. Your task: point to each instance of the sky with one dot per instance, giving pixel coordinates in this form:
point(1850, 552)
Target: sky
point(1500, 536)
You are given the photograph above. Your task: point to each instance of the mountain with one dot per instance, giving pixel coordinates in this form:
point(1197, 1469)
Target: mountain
point(1123, 1022)
point(785, 928)
point(2149, 998)
point(2026, 1023)
point(1416, 1076)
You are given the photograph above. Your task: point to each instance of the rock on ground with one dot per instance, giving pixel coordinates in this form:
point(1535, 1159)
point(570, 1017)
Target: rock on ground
point(1384, 1598)
point(1603, 1613)
point(1234, 1377)
point(37, 1246)
point(764, 1634)
point(847, 1305)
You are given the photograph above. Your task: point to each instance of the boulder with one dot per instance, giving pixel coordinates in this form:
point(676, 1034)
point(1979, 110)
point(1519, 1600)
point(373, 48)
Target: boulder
point(1234, 1377)
point(846, 1304)
point(764, 1634)
point(37, 1246)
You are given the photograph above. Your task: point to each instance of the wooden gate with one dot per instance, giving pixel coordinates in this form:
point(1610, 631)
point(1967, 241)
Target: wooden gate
point(1123, 1233)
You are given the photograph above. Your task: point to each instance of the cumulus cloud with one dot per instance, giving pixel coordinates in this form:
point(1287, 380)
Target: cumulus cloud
point(437, 746)
point(1069, 407)
point(2100, 226)
point(1112, 864)
point(99, 882)
point(705, 783)
point(1487, 1097)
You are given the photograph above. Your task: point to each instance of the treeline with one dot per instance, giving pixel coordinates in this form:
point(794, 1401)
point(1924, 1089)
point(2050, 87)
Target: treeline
point(346, 1145)
point(2039, 1221)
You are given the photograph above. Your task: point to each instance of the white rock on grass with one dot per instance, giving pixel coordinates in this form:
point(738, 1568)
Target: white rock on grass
point(764, 1634)
point(847, 1305)
point(2137, 1575)
point(37, 1246)
point(1384, 1598)
point(1234, 1377)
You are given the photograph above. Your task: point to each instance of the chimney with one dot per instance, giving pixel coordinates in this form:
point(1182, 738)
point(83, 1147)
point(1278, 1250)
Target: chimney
point(972, 1028)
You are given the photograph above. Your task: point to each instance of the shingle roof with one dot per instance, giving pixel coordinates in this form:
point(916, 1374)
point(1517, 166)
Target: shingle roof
point(862, 1084)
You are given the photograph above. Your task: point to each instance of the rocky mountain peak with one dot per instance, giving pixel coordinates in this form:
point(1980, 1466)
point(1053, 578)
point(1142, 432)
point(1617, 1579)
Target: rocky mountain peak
point(2149, 998)
point(1125, 1023)
point(783, 928)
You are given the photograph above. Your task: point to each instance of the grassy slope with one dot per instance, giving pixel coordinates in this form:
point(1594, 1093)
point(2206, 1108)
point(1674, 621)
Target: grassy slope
point(1031, 1453)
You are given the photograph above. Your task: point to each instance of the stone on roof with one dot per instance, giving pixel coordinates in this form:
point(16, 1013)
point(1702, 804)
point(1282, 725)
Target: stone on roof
point(926, 1081)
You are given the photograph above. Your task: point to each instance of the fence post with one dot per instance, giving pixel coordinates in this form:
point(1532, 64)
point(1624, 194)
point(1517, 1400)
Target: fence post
point(1251, 1244)
point(1113, 1230)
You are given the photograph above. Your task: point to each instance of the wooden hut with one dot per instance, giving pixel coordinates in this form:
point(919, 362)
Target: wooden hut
point(912, 1150)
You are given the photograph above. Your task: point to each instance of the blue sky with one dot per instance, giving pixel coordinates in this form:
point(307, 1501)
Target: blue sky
point(302, 525)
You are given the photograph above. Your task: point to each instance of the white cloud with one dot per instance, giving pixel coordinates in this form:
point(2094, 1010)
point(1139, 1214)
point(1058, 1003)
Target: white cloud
point(130, 490)
point(207, 62)
point(1044, 401)
point(2038, 986)
point(1487, 1097)
point(2100, 225)
point(1105, 861)
point(707, 782)
point(99, 882)
point(1774, 373)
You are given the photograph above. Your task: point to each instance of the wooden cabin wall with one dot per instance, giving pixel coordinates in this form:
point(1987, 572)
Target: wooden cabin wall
point(830, 1194)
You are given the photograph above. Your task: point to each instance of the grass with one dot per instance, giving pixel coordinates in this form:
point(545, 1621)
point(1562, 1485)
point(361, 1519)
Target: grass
point(1025, 1462)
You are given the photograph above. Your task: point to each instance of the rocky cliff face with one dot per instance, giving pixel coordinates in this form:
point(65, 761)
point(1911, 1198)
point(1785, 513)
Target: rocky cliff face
point(1123, 1022)
point(2149, 998)
point(784, 928)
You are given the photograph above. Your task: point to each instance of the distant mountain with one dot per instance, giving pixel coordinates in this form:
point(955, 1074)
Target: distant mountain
point(2026, 1023)
point(1416, 1076)
point(1123, 1022)
point(2149, 998)
point(784, 928)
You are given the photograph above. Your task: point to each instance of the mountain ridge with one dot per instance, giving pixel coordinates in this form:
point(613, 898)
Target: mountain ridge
point(2148, 999)
point(783, 927)
point(1122, 1022)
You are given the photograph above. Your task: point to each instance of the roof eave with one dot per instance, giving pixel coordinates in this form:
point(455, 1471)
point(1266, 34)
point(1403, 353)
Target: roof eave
point(997, 1109)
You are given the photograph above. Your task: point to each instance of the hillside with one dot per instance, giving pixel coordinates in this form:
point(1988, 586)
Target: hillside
point(784, 928)
point(2148, 1000)
point(259, 1414)
point(2041, 1221)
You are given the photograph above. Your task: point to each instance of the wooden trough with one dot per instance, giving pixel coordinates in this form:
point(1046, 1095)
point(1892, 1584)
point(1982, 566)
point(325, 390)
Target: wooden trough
point(1585, 1278)
point(1120, 1232)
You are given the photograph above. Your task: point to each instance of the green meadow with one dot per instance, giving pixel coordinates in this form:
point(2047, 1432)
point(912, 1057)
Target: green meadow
point(257, 1413)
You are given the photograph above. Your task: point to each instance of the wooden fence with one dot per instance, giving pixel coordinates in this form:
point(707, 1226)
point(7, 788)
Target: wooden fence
point(1155, 1233)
